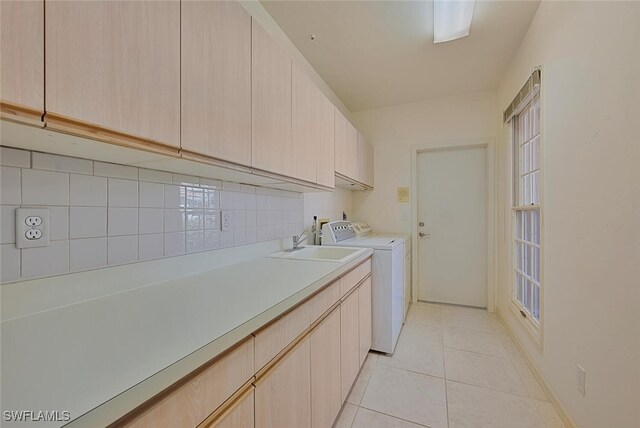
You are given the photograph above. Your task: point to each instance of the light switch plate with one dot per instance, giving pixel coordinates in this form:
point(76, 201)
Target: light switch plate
point(32, 227)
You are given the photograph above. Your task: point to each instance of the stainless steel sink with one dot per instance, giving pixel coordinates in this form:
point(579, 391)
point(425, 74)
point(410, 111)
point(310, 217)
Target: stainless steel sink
point(321, 254)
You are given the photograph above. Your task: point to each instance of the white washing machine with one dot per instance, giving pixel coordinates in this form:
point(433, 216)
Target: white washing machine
point(389, 300)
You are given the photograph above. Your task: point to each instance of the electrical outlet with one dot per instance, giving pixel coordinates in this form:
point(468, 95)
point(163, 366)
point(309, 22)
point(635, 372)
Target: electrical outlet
point(32, 227)
point(582, 378)
point(225, 219)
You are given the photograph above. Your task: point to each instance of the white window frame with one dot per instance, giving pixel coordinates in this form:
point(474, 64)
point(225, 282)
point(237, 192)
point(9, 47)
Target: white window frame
point(533, 326)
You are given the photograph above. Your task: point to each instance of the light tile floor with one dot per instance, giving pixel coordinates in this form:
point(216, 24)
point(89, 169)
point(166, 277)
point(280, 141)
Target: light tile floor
point(453, 367)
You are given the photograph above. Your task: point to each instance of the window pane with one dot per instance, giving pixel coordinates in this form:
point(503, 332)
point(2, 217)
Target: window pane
point(535, 153)
point(536, 118)
point(535, 189)
point(536, 302)
point(527, 225)
point(525, 126)
point(519, 256)
point(518, 287)
point(519, 224)
point(536, 264)
point(527, 296)
point(526, 156)
point(527, 259)
point(535, 223)
point(526, 197)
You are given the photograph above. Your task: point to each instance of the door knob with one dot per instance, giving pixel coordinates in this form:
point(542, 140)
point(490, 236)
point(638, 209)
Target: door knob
point(423, 235)
point(421, 224)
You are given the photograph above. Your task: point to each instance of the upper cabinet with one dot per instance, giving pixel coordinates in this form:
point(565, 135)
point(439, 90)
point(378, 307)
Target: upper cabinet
point(365, 161)
point(216, 80)
point(341, 143)
point(22, 64)
point(113, 67)
point(271, 146)
point(352, 152)
point(312, 131)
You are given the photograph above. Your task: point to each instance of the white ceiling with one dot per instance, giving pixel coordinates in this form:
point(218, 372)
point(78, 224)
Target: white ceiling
point(381, 53)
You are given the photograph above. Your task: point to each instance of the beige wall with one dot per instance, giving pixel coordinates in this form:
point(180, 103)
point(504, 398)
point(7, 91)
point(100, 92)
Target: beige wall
point(394, 130)
point(327, 205)
point(590, 58)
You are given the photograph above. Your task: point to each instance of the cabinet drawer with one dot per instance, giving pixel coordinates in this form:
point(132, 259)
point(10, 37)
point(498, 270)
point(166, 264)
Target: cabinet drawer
point(273, 339)
point(322, 301)
point(192, 402)
point(354, 276)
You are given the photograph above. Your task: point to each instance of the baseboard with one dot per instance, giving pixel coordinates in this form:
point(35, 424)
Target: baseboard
point(557, 404)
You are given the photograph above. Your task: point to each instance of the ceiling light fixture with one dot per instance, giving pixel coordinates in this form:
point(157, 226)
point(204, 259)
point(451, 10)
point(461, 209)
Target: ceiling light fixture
point(451, 19)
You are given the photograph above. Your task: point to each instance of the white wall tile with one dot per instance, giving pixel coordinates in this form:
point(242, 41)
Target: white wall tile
point(122, 249)
point(123, 193)
point(194, 197)
point(9, 263)
point(239, 236)
point(8, 224)
point(15, 157)
point(61, 163)
point(226, 200)
point(239, 201)
point(87, 222)
point(211, 199)
point(155, 176)
point(273, 203)
point(210, 184)
point(185, 180)
point(87, 253)
point(174, 196)
point(261, 202)
point(87, 191)
point(211, 239)
point(151, 195)
point(10, 191)
point(195, 220)
point(122, 221)
point(59, 223)
point(43, 261)
point(174, 220)
point(251, 235)
point(174, 243)
point(44, 187)
point(261, 218)
point(250, 218)
point(211, 220)
point(150, 220)
point(250, 201)
point(195, 241)
point(151, 246)
point(238, 220)
point(113, 170)
point(226, 238)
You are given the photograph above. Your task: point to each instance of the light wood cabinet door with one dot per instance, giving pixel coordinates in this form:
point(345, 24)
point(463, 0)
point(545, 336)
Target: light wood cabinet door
point(325, 371)
point(115, 65)
point(365, 161)
point(22, 63)
point(341, 144)
point(325, 149)
point(283, 394)
point(352, 152)
point(239, 415)
point(349, 342)
point(216, 80)
point(364, 316)
point(271, 146)
point(305, 126)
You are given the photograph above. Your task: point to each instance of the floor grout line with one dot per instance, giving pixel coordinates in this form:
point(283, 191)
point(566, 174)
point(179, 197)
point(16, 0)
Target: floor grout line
point(391, 416)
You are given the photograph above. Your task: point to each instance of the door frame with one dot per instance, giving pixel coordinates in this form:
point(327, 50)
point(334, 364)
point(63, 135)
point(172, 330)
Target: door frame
point(490, 205)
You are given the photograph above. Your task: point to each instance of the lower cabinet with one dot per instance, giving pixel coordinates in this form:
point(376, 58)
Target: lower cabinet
point(240, 414)
point(325, 373)
point(364, 317)
point(283, 394)
point(349, 342)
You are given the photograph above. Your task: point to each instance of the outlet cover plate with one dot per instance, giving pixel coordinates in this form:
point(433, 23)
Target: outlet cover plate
point(32, 222)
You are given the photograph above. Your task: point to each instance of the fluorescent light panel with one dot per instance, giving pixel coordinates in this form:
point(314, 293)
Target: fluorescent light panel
point(451, 19)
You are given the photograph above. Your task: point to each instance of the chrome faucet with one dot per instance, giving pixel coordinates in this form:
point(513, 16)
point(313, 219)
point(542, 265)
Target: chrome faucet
point(297, 240)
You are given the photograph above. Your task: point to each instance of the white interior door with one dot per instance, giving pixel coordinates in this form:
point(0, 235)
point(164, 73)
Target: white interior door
point(452, 226)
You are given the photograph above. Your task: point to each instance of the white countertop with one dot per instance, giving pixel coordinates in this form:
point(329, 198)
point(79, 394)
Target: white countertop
point(108, 354)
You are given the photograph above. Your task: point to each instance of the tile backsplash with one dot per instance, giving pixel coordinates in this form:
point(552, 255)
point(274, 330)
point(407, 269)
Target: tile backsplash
point(104, 214)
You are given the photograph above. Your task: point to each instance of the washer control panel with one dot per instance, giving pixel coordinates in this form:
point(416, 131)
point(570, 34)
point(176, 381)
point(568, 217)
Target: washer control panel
point(336, 231)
